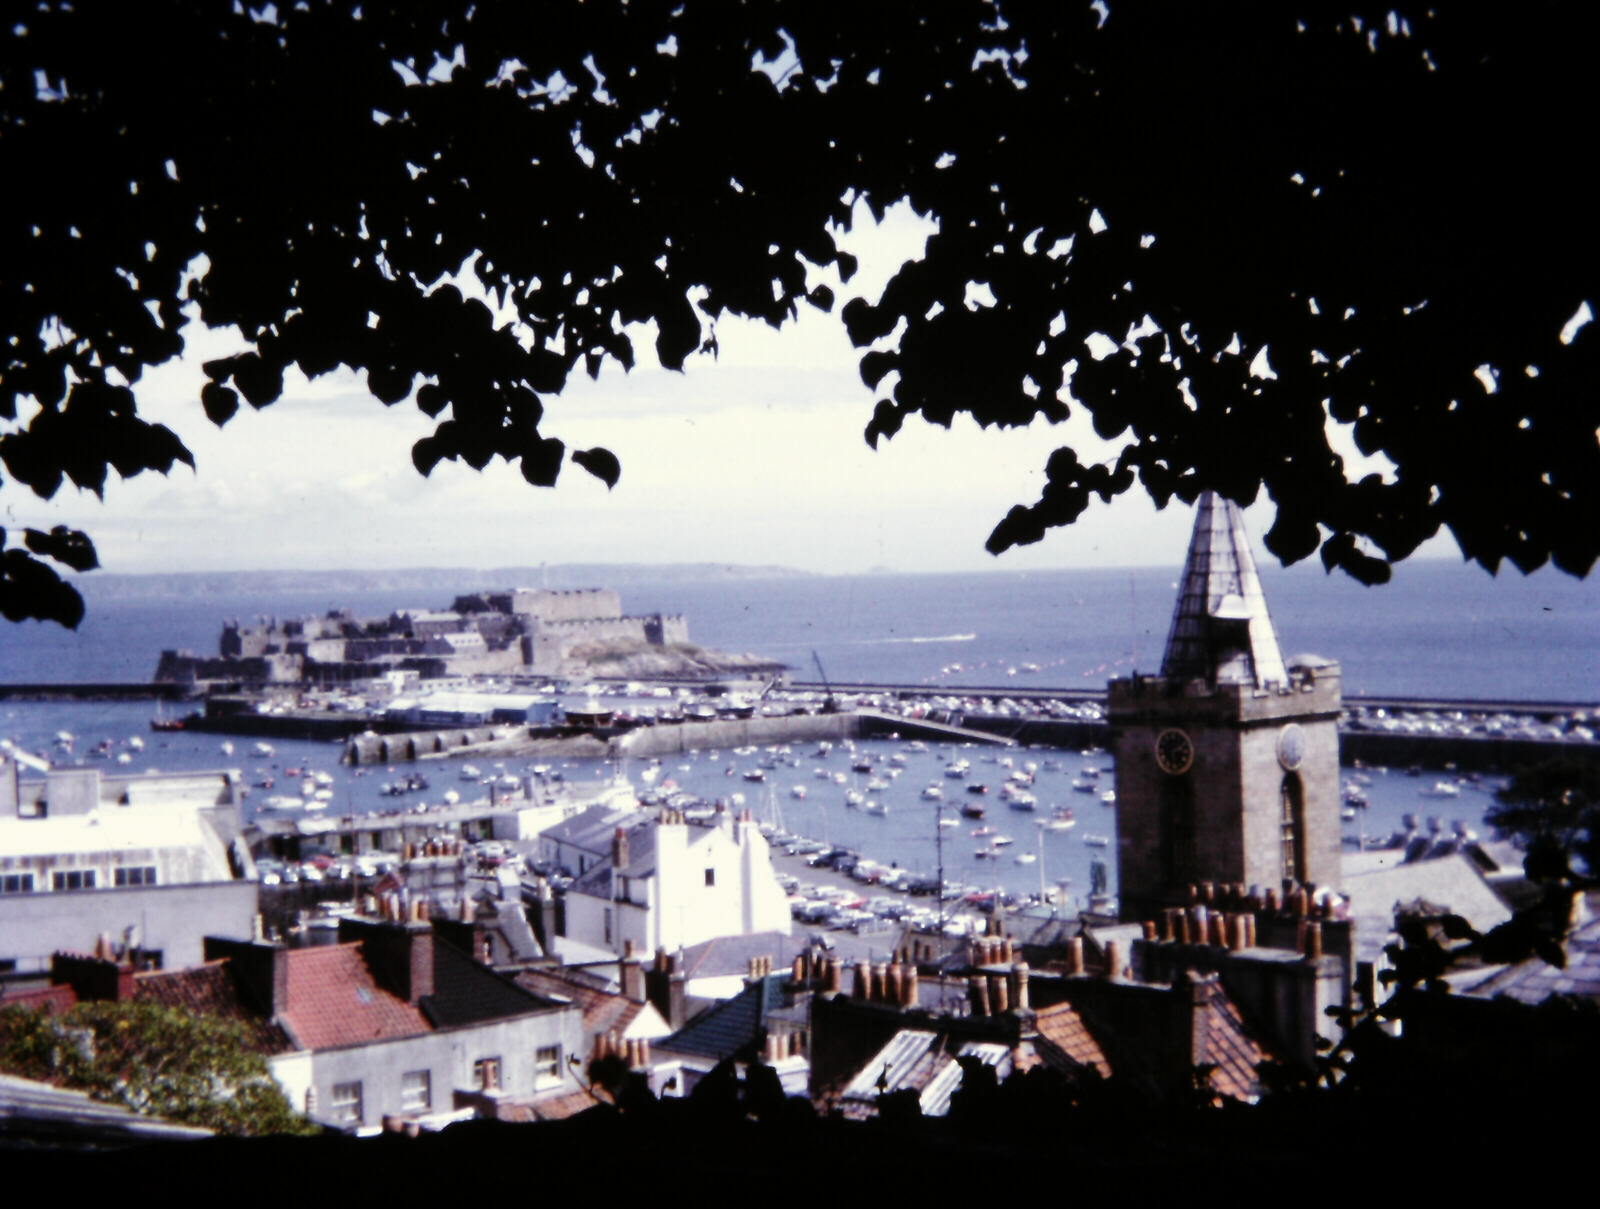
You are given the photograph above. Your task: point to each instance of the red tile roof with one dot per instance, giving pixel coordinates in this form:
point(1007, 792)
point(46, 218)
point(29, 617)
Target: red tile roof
point(602, 1010)
point(1229, 1050)
point(333, 1001)
point(210, 990)
point(1062, 1029)
point(57, 998)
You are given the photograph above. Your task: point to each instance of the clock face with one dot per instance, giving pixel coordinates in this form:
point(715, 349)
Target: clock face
point(1174, 752)
point(1291, 746)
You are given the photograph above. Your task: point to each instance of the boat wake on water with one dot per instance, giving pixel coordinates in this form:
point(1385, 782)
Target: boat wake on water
point(894, 641)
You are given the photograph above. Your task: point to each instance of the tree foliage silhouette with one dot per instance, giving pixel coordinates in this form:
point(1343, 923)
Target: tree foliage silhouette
point(1273, 217)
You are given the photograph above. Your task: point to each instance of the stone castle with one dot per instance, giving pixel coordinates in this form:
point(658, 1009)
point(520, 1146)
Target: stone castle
point(531, 630)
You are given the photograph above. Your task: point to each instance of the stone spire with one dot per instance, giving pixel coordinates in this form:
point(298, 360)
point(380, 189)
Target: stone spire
point(1221, 632)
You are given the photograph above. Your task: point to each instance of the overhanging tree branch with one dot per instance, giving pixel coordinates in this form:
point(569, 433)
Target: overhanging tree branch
point(1273, 220)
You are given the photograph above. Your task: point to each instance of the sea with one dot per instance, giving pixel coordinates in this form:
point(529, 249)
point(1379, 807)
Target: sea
point(1439, 630)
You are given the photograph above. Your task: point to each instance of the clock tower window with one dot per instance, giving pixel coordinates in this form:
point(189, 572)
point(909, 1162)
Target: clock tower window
point(1292, 827)
point(1178, 864)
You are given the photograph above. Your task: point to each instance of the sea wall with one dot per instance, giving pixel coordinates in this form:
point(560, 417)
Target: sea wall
point(735, 732)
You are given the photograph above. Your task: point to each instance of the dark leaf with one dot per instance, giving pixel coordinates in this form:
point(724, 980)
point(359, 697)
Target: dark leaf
point(601, 463)
point(66, 546)
point(541, 462)
point(220, 403)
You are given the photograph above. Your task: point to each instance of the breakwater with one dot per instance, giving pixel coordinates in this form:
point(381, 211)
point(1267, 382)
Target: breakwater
point(102, 691)
point(1356, 746)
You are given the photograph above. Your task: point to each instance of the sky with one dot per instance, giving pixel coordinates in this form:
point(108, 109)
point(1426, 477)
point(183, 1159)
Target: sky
point(755, 457)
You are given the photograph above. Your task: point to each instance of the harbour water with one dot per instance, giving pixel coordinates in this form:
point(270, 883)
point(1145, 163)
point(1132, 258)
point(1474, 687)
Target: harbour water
point(905, 834)
point(1442, 630)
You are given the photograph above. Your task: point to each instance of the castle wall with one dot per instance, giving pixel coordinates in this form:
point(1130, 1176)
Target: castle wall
point(542, 604)
point(553, 641)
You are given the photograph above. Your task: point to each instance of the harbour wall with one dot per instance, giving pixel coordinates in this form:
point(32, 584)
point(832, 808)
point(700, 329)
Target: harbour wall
point(1365, 747)
point(795, 728)
point(736, 732)
point(137, 691)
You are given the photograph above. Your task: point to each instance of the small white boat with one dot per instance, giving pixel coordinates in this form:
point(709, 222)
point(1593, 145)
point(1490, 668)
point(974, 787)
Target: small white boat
point(263, 749)
point(1025, 858)
point(799, 791)
point(933, 793)
point(853, 797)
point(1443, 789)
point(874, 806)
point(136, 743)
point(1096, 841)
point(469, 772)
point(227, 747)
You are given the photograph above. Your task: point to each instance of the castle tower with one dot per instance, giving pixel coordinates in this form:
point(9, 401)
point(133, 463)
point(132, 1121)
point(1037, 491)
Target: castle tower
point(1228, 761)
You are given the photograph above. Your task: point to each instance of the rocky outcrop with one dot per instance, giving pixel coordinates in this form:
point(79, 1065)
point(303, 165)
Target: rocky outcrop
point(634, 660)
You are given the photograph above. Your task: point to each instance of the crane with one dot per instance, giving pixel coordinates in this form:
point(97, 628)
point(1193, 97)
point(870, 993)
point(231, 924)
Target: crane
point(829, 705)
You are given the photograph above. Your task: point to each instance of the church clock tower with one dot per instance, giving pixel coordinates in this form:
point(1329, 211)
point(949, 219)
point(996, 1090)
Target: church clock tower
point(1228, 761)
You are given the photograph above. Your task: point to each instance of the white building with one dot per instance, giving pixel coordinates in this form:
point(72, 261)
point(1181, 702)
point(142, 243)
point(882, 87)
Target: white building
point(667, 884)
point(152, 862)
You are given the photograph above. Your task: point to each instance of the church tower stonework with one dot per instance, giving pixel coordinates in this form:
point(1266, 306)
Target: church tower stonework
point(1227, 763)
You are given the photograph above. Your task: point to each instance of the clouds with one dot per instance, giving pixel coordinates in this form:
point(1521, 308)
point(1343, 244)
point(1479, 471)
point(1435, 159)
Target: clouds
point(756, 456)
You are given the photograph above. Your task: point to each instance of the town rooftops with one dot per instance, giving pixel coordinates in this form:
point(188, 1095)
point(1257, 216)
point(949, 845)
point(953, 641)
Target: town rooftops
point(1221, 631)
point(924, 1062)
point(1377, 882)
point(1535, 980)
point(124, 832)
point(603, 1011)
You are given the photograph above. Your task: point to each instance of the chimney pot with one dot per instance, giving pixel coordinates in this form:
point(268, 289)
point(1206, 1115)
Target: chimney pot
point(998, 1002)
point(1313, 941)
point(1075, 955)
point(1114, 960)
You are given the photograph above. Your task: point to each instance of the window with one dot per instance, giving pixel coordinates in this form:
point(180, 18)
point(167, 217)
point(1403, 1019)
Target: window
point(486, 1074)
point(711, 877)
point(346, 1103)
point(1292, 848)
point(547, 1065)
point(1178, 858)
point(16, 883)
point(136, 875)
point(416, 1090)
point(73, 879)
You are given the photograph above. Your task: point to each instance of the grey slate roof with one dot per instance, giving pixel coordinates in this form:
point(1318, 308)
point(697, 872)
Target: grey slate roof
point(1377, 882)
point(723, 1030)
point(465, 992)
point(590, 829)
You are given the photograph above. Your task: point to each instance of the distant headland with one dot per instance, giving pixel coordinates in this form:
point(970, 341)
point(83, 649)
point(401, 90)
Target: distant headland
point(189, 584)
